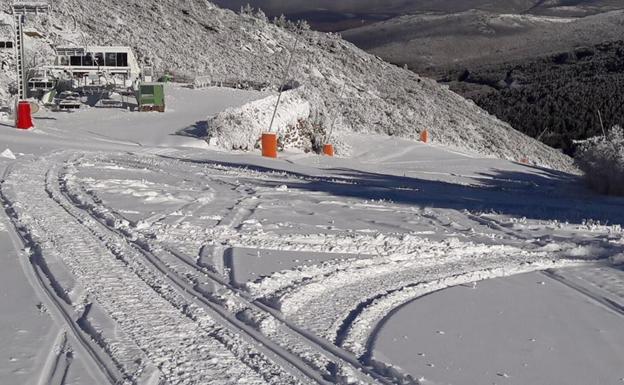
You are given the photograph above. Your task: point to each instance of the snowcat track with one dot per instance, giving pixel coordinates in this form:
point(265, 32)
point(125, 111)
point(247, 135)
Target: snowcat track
point(51, 300)
point(334, 355)
point(104, 214)
point(83, 252)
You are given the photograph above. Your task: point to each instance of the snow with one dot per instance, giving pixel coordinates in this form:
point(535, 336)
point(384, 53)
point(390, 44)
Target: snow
point(27, 327)
point(280, 270)
point(507, 19)
point(511, 330)
point(602, 160)
point(8, 154)
point(242, 127)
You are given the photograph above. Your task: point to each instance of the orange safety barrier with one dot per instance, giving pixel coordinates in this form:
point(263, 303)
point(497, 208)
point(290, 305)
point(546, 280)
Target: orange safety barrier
point(269, 145)
point(23, 117)
point(425, 137)
point(328, 149)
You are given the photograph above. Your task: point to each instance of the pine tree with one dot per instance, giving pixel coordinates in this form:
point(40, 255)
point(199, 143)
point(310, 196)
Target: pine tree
point(247, 10)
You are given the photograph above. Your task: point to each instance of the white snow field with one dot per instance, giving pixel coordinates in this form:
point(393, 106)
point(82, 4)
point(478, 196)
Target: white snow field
point(135, 253)
point(528, 329)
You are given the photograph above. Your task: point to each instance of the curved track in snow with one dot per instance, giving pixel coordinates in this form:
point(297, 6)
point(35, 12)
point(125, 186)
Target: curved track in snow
point(188, 322)
point(180, 338)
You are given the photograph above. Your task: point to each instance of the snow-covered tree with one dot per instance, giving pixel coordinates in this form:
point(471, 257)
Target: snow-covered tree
point(247, 10)
point(260, 15)
point(303, 25)
point(281, 21)
point(602, 160)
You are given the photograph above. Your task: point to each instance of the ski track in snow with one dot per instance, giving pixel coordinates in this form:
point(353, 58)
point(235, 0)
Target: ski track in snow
point(134, 260)
point(180, 339)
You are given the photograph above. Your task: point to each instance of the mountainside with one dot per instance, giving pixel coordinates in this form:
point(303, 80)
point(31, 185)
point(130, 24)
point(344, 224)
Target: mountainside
point(546, 76)
point(198, 38)
point(556, 98)
point(329, 15)
point(436, 42)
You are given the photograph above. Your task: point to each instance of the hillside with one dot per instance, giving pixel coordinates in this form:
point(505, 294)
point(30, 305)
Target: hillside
point(436, 42)
point(535, 72)
point(556, 98)
point(329, 15)
point(198, 38)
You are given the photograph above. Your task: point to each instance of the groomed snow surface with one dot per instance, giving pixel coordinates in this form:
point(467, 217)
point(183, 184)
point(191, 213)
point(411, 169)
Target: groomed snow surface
point(134, 252)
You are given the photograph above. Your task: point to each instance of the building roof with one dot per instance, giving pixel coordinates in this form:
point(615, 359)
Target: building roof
point(91, 48)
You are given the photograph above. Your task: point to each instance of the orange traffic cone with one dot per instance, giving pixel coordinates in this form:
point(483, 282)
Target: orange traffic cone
point(23, 117)
point(424, 136)
point(269, 145)
point(328, 149)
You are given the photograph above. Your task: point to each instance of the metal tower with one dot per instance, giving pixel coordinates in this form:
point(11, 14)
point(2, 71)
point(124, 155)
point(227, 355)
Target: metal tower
point(22, 9)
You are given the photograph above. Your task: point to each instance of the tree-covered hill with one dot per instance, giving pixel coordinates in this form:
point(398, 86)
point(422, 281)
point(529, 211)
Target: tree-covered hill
point(556, 98)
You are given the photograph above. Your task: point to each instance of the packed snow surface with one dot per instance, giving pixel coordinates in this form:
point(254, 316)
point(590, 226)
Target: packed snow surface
point(154, 257)
point(539, 331)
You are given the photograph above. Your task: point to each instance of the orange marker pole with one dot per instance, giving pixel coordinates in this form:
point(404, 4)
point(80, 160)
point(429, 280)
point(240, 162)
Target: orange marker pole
point(328, 149)
point(425, 137)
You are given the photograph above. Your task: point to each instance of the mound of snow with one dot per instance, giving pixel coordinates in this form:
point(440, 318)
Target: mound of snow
point(8, 154)
point(241, 127)
point(602, 160)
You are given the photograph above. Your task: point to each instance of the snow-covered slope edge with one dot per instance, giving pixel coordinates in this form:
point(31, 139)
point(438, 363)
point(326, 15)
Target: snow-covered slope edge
point(194, 37)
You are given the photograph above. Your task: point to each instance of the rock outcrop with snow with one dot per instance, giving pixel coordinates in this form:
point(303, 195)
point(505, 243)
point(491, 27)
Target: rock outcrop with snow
point(194, 37)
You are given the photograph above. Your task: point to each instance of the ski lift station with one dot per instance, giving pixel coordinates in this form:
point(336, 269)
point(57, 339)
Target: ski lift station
point(96, 75)
point(93, 66)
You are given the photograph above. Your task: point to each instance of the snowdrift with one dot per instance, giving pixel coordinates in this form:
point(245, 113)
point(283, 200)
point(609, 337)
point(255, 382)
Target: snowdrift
point(241, 127)
point(195, 38)
point(602, 160)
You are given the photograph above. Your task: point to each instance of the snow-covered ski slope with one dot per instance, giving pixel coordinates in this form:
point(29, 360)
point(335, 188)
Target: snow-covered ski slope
point(196, 38)
point(154, 258)
point(528, 319)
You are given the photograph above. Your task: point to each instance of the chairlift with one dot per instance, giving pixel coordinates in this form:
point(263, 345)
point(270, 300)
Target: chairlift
point(69, 100)
point(36, 85)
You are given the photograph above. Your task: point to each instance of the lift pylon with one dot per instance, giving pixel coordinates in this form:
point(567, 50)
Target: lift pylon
point(22, 9)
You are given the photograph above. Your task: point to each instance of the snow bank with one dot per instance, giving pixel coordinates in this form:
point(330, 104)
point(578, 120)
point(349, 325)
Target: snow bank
point(602, 160)
point(7, 154)
point(242, 127)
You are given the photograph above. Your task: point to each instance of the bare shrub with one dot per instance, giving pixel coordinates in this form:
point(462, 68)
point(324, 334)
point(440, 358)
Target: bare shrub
point(602, 160)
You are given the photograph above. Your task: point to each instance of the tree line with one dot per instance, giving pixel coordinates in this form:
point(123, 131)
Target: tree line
point(556, 99)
